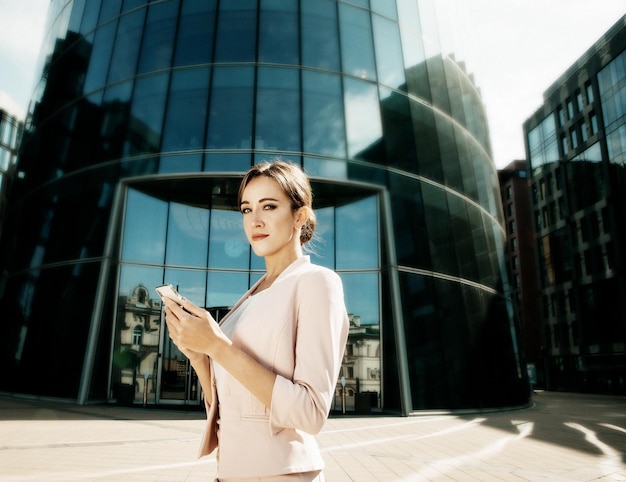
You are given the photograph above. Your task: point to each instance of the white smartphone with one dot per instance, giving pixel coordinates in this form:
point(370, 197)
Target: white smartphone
point(168, 291)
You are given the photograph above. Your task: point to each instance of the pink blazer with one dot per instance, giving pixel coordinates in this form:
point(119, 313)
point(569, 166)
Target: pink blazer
point(297, 328)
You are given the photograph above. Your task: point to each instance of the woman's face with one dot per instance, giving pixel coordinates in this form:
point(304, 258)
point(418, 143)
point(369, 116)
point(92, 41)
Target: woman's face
point(271, 225)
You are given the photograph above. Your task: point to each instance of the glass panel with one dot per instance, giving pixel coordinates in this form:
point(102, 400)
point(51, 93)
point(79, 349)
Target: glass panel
point(413, 50)
point(194, 44)
point(108, 10)
point(230, 121)
point(178, 380)
point(132, 277)
point(115, 118)
point(479, 238)
point(331, 169)
point(411, 238)
point(278, 104)
point(363, 368)
point(389, 60)
point(147, 114)
point(186, 111)
point(425, 135)
point(357, 47)
point(425, 353)
point(5, 130)
point(363, 123)
point(117, 94)
point(463, 243)
point(458, 339)
point(385, 7)
point(227, 162)
point(322, 248)
point(100, 57)
point(228, 246)
point(188, 163)
point(357, 234)
point(548, 128)
point(130, 4)
point(187, 235)
point(90, 17)
point(278, 32)
point(77, 15)
point(398, 128)
point(323, 123)
point(128, 40)
point(144, 228)
point(225, 289)
point(362, 296)
point(438, 227)
point(429, 27)
point(158, 39)
point(613, 91)
point(320, 40)
point(189, 283)
point(137, 335)
point(95, 98)
point(236, 31)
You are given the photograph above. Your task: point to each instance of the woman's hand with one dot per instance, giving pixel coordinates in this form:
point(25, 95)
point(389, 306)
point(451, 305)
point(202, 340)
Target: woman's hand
point(197, 334)
point(193, 330)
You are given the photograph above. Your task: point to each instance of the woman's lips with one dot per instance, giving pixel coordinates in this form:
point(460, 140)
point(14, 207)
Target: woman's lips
point(259, 237)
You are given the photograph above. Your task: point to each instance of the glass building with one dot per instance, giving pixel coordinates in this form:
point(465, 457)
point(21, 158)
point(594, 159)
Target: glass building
point(11, 125)
point(576, 145)
point(145, 118)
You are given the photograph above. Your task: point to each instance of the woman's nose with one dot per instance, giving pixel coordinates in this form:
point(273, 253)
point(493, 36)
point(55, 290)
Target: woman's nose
point(256, 220)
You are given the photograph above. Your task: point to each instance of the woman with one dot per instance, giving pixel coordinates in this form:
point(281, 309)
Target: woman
point(269, 369)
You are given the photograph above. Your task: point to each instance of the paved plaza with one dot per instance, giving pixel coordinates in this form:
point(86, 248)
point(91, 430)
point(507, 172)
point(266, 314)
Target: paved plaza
point(562, 437)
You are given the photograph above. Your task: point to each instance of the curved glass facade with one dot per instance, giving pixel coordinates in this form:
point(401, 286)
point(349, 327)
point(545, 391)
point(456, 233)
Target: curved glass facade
point(147, 114)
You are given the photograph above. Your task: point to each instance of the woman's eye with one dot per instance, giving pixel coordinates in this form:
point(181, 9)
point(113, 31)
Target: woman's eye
point(245, 210)
point(269, 207)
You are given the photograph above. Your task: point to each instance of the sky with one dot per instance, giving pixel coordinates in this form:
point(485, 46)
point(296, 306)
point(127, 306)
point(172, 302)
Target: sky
point(517, 49)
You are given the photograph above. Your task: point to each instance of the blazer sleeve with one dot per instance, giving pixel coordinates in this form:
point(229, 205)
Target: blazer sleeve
point(322, 330)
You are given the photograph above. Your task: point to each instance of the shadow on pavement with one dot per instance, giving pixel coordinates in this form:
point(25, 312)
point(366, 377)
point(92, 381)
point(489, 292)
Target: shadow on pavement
point(594, 424)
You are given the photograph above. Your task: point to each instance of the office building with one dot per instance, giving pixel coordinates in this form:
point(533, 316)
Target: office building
point(11, 125)
point(576, 147)
point(145, 118)
point(515, 194)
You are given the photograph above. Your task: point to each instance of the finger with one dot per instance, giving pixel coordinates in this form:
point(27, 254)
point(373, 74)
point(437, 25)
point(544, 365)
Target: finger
point(172, 330)
point(170, 318)
point(175, 309)
point(192, 308)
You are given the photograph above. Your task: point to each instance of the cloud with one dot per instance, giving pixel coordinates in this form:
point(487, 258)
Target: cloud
point(22, 25)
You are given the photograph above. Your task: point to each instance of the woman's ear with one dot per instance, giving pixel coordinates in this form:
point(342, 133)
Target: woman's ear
point(303, 213)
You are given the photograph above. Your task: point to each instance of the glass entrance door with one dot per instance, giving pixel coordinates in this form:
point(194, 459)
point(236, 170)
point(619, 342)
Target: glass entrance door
point(178, 381)
point(200, 249)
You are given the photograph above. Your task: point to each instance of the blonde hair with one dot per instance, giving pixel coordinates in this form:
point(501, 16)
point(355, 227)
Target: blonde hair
point(294, 183)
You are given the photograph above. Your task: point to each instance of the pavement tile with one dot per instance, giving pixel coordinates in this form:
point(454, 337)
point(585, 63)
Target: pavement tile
point(562, 437)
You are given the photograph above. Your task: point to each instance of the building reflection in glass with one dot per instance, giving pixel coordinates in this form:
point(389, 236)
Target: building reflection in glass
point(359, 380)
point(136, 346)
